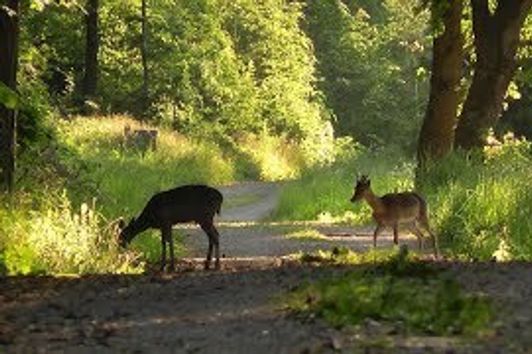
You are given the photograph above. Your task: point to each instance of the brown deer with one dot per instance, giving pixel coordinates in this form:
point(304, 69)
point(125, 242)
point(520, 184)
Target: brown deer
point(189, 203)
point(394, 209)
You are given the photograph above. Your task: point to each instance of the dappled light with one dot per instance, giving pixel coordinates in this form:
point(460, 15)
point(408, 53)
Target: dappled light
point(273, 176)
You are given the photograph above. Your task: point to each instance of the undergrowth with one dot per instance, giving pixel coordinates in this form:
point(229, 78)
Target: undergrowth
point(324, 193)
point(75, 183)
point(479, 203)
point(397, 289)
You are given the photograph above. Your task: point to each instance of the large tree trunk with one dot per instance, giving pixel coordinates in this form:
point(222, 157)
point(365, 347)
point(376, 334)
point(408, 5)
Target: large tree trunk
point(144, 54)
point(9, 13)
point(437, 133)
point(496, 43)
point(90, 80)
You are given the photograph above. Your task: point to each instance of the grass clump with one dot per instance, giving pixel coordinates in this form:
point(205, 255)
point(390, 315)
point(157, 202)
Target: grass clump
point(60, 239)
point(422, 301)
point(345, 256)
point(306, 234)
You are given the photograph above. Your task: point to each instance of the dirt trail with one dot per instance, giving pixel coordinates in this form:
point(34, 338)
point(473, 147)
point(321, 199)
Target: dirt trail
point(244, 234)
point(235, 310)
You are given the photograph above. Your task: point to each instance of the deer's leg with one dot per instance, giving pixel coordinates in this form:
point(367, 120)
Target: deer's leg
point(163, 250)
point(395, 234)
point(206, 227)
point(376, 233)
point(425, 224)
point(434, 239)
point(168, 236)
point(216, 241)
point(415, 229)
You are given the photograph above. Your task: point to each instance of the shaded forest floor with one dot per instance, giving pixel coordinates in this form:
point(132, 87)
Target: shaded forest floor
point(239, 309)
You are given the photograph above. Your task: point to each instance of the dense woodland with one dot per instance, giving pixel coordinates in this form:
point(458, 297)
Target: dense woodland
point(300, 97)
point(432, 95)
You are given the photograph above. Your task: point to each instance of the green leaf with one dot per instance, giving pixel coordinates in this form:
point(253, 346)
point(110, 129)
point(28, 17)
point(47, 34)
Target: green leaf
point(8, 97)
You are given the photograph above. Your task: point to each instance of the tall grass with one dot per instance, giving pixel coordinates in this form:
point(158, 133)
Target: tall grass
point(124, 179)
point(324, 193)
point(59, 238)
point(49, 228)
point(480, 204)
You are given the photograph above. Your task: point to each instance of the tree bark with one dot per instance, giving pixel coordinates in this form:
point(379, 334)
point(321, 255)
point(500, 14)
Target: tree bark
point(9, 17)
point(496, 42)
point(437, 132)
point(90, 79)
point(144, 54)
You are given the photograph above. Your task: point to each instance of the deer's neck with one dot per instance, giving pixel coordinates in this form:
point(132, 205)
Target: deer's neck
point(374, 201)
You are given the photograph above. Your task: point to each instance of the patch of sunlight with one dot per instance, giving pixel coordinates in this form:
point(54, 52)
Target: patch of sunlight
point(307, 234)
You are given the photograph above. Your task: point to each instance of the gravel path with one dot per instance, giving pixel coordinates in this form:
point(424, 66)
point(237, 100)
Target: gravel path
point(237, 310)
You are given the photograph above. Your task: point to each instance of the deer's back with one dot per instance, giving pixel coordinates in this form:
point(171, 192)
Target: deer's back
point(187, 203)
point(401, 207)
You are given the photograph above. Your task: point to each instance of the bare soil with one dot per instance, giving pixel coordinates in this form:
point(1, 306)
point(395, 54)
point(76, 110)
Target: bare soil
point(238, 309)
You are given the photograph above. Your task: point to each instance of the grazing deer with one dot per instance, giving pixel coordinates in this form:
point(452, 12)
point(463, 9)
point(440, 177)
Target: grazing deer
point(190, 203)
point(395, 209)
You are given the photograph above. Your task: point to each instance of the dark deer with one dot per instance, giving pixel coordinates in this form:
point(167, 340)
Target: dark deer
point(394, 209)
point(190, 203)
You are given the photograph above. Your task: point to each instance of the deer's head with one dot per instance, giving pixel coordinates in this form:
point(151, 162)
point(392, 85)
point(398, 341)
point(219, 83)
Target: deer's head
point(362, 186)
point(127, 232)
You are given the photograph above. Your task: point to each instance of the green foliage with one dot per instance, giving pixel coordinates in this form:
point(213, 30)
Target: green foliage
point(115, 171)
point(8, 97)
point(59, 239)
point(414, 302)
point(372, 56)
point(481, 204)
point(324, 193)
point(478, 204)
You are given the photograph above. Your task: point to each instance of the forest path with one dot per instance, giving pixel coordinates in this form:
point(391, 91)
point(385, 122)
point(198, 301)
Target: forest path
point(246, 237)
point(239, 308)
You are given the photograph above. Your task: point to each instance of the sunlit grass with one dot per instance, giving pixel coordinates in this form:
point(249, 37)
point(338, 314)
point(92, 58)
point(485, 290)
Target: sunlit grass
point(481, 206)
point(306, 235)
point(61, 239)
point(125, 179)
point(324, 193)
point(276, 158)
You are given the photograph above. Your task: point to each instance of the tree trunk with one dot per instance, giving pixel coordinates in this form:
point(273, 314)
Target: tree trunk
point(437, 132)
point(9, 13)
point(496, 43)
point(143, 51)
point(90, 80)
